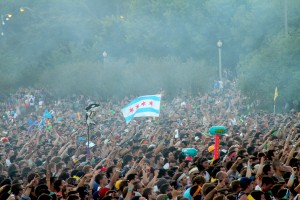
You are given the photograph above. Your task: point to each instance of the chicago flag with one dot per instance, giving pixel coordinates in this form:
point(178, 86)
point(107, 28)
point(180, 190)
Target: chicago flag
point(143, 106)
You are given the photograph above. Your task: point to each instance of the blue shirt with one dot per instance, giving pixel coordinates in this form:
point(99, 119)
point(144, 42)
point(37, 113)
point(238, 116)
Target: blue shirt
point(95, 186)
point(187, 194)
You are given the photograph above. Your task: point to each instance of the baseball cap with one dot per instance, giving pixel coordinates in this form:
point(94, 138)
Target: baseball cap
point(102, 169)
point(211, 148)
point(4, 139)
point(245, 181)
point(189, 158)
point(117, 185)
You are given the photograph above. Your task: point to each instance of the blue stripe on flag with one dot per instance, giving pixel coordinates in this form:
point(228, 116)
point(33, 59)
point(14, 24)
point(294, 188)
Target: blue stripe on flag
point(142, 110)
point(151, 97)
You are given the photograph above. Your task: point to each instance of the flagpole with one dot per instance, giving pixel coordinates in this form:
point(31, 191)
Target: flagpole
point(91, 111)
point(275, 96)
point(88, 141)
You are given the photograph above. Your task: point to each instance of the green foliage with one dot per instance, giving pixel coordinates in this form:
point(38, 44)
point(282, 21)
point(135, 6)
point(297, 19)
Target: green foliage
point(276, 64)
point(151, 44)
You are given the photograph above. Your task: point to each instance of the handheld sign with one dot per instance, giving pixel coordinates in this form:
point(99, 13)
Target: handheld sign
point(217, 131)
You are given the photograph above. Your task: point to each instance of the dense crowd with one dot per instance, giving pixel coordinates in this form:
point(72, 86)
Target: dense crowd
point(47, 158)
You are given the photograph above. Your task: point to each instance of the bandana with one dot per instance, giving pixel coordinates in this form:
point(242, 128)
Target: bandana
point(193, 169)
point(181, 177)
point(198, 192)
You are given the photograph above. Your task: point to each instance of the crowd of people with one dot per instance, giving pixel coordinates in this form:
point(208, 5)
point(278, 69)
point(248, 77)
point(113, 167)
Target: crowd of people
point(45, 156)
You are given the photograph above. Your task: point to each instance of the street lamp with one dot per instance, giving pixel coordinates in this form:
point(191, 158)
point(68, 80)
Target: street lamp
point(23, 9)
point(104, 54)
point(285, 18)
point(219, 45)
point(4, 18)
point(2, 25)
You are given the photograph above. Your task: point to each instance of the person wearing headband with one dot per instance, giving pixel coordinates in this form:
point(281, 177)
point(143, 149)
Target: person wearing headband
point(181, 180)
point(193, 172)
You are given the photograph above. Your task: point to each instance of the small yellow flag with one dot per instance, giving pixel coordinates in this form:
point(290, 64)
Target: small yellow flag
point(275, 94)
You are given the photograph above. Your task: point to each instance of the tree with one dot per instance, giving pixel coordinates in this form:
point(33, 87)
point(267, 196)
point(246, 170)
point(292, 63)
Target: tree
point(276, 64)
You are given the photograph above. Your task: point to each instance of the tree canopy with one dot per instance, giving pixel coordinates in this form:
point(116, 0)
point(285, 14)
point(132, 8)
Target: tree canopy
point(150, 45)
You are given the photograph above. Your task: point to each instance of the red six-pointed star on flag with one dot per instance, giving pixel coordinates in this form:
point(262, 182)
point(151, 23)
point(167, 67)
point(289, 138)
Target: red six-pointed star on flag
point(131, 110)
point(151, 103)
point(144, 103)
point(137, 106)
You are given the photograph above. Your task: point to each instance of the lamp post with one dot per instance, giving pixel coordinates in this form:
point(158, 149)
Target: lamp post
point(2, 25)
point(219, 45)
point(285, 19)
point(104, 54)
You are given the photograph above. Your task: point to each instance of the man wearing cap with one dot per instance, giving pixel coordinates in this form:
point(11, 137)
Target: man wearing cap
point(247, 186)
point(211, 148)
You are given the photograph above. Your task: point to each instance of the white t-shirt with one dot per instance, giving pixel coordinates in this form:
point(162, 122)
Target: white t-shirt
point(207, 176)
point(7, 162)
point(41, 103)
point(258, 188)
point(232, 122)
